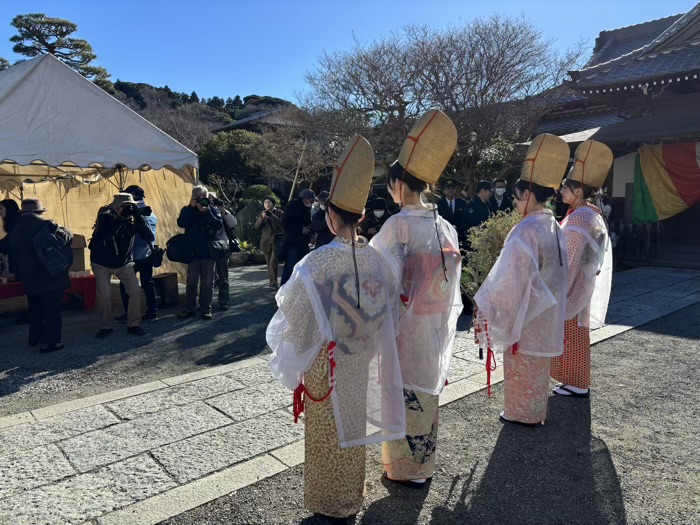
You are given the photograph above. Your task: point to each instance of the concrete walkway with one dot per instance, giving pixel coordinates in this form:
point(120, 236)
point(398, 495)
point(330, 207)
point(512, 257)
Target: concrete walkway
point(146, 453)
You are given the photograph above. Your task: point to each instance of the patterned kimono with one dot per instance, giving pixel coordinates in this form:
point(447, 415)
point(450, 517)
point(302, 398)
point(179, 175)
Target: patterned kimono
point(341, 356)
point(590, 279)
point(521, 307)
point(414, 254)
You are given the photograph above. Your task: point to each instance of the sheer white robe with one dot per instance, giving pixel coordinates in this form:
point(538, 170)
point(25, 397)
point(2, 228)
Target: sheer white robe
point(409, 244)
point(590, 266)
point(318, 305)
point(523, 298)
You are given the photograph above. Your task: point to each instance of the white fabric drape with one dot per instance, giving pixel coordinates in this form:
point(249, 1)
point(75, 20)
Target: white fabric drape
point(523, 298)
point(409, 244)
point(319, 305)
point(590, 266)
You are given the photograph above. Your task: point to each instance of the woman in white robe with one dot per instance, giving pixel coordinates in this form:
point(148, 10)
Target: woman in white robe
point(521, 304)
point(334, 343)
point(421, 250)
point(590, 267)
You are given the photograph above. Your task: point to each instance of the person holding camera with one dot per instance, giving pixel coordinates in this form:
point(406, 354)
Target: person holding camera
point(111, 253)
point(203, 225)
point(270, 224)
point(228, 233)
point(142, 260)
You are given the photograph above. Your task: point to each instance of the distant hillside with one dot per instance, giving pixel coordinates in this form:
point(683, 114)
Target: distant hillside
point(187, 118)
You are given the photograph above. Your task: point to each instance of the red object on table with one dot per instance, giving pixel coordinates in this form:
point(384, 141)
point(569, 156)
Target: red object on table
point(84, 286)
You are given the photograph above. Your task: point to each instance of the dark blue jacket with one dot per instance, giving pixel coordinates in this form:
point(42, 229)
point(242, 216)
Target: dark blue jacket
point(203, 228)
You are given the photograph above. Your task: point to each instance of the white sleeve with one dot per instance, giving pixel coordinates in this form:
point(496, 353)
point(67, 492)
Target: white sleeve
point(512, 295)
point(294, 333)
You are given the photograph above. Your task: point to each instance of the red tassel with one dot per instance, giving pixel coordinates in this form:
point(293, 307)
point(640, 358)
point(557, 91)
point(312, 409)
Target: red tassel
point(447, 382)
point(404, 299)
point(298, 404)
point(490, 367)
point(514, 348)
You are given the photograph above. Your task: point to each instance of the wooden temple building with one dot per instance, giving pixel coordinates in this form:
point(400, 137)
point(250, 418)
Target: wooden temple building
point(640, 94)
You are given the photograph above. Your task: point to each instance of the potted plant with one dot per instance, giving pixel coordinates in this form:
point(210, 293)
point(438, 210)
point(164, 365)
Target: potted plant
point(255, 256)
point(242, 257)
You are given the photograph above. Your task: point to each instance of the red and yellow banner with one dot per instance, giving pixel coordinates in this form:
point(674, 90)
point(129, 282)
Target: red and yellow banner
point(666, 180)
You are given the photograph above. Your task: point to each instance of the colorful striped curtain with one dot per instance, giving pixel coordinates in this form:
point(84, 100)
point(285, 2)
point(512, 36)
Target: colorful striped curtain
point(666, 180)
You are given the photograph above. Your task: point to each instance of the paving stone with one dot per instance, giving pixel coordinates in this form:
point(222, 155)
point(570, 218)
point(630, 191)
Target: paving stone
point(621, 311)
point(52, 429)
point(463, 368)
point(252, 402)
point(32, 468)
point(175, 396)
point(200, 455)
point(102, 447)
point(84, 497)
point(253, 375)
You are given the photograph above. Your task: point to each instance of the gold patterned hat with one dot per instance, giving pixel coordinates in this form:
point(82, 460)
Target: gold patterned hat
point(592, 163)
point(546, 161)
point(352, 176)
point(429, 146)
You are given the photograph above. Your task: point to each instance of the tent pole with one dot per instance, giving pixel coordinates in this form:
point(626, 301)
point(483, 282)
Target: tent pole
point(296, 175)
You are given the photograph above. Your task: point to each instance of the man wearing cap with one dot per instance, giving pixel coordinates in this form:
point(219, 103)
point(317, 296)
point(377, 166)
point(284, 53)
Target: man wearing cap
point(44, 291)
point(142, 259)
point(318, 221)
point(478, 209)
point(376, 214)
point(112, 253)
point(297, 230)
point(452, 208)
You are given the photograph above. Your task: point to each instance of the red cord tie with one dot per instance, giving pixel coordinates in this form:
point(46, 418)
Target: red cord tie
point(404, 299)
point(514, 348)
point(301, 393)
point(490, 359)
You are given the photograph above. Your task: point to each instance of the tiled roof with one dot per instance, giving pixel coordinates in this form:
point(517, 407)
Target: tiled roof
point(676, 49)
point(577, 122)
point(676, 125)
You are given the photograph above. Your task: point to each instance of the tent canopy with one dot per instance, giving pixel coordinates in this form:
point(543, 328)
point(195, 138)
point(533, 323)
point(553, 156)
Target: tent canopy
point(51, 116)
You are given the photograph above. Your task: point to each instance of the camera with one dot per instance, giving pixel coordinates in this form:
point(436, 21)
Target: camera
point(203, 202)
point(267, 214)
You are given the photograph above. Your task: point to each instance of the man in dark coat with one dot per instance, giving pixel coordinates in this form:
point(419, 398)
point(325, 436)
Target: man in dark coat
point(452, 208)
point(44, 291)
point(296, 225)
point(203, 225)
point(478, 209)
point(376, 215)
point(318, 221)
point(500, 201)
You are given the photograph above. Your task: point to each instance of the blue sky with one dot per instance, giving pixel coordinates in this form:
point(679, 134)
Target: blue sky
point(225, 48)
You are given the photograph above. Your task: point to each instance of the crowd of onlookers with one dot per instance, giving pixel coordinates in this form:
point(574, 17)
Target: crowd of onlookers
point(122, 246)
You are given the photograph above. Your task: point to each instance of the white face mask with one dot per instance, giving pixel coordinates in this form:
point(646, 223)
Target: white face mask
point(378, 213)
point(500, 191)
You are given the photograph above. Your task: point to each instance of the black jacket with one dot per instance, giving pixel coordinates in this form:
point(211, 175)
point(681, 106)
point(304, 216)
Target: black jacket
point(323, 233)
point(296, 217)
point(10, 226)
point(37, 280)
point(371, 221)
point(456, 219)
point(203, 229)
point(112, 243)
point(506, 204)
point(476, 212)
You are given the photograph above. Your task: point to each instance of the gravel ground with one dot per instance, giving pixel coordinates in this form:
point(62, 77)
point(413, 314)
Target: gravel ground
point(630, 455)
point(89, 366)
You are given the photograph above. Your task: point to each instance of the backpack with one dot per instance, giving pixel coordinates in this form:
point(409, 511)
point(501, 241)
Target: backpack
point(51, 249)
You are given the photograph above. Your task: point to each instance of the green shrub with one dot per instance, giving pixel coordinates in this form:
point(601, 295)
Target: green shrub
point(246, 217)
point(257, 192)
point(486, 242)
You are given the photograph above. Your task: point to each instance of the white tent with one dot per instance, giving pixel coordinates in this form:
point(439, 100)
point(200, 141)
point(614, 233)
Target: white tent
point(53, 116)
point(72, 145)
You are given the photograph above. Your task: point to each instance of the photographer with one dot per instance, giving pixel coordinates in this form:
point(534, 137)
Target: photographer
point(111, 253)
point(142, 260)
point(270, 224)
point(227, 233)
point(203, 225)
point(296, 225)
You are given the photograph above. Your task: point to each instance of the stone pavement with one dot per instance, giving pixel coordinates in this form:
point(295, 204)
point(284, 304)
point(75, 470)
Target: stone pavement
point(146, 453)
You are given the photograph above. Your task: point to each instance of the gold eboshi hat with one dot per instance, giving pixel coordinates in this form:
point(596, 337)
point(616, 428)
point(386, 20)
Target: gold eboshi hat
point(546, 160)
point(592, 163)
point(352, 176)
point(429, 146)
